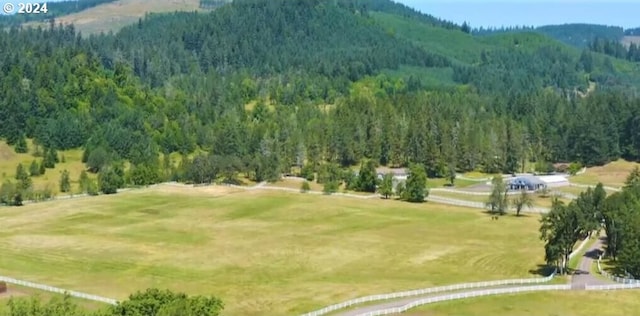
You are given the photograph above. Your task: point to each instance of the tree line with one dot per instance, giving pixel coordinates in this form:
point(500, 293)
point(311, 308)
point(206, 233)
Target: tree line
point(230, 107)
point(152, 302)
point(592, 212)
point(616, 48)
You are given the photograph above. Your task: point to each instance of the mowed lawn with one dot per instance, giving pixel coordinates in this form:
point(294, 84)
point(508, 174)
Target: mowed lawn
point(263, 253)
point(613, 174)
point(565, 303)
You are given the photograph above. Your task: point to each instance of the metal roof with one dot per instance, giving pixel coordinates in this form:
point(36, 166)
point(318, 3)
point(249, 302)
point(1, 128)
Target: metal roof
point(529, 180)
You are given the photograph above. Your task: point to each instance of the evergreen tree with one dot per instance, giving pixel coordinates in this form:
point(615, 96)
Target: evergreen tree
point(34, 169)
point(83, 182)
point(50, 157)
point(416, 187)
point(21, 145)
point(386, 187)
point(41, 168)
point(21, 173)
point(65, 182)
point(367, 177)
point(109, 181)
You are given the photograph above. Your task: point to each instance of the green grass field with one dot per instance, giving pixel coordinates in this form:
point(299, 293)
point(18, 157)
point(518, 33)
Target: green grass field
point(565, 303)
point(261, 252)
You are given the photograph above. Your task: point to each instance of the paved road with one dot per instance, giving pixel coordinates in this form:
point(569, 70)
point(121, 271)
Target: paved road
point(583, 276)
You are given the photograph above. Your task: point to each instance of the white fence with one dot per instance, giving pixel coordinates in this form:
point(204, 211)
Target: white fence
point(615, 278)
point(52, 289)
point(480, 205)
point(426, 291)
point(456, 296)
point(593, 187)
point(610, 287)
point(435, 290)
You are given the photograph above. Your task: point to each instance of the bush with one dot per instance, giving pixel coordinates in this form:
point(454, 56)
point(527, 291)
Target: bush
point(305, 187)
point(330, 187)
point(574, 167)
point(307, 173)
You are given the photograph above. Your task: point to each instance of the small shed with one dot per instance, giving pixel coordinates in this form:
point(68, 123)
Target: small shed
point(530, 183)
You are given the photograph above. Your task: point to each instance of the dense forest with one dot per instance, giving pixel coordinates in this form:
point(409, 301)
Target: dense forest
point(54, 9)
point(615, 49)
point(632, 32)
point(575, 34)
point(263, 88)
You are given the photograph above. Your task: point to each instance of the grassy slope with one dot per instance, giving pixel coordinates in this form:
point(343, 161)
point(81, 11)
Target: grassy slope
point(613, 174)
point(262, 252)
point(571, 303)
point(113, 16)
point(9, 160)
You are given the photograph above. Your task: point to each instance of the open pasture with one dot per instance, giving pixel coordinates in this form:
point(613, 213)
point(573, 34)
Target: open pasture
point(613, 174)
point(263, 253)
point(565, 303)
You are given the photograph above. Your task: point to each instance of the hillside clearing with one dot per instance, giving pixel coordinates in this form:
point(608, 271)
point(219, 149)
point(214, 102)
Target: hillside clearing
point(115, 15)
point(9, 160)
point(261, 252)
point(612, 174)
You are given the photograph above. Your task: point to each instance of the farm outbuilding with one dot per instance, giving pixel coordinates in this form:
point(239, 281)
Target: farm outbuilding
point(555, 180)
point(530, 183)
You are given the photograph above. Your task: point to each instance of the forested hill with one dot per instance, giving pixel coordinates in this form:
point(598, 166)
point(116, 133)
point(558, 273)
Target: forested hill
point(258, 87)
point(54, 9)
point(575, 34)
point(269, 37)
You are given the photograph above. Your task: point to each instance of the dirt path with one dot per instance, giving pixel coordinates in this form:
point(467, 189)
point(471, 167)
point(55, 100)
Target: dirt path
point(583, 275)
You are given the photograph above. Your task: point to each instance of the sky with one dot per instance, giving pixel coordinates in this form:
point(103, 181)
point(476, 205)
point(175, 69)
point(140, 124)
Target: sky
point(624, 13)
point(497, 13)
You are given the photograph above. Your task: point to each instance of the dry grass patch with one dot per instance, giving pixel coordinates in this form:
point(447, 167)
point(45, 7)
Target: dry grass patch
point(10, 160)
point(115, 15)
point(263, 253)
point(613, 174)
